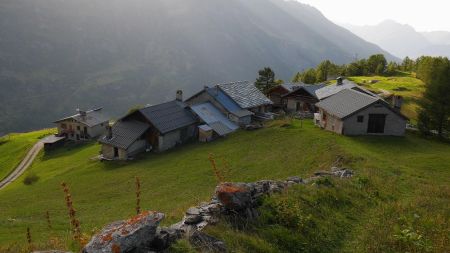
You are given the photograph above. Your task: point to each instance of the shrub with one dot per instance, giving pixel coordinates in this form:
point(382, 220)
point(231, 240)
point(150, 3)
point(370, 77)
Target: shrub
point(30, 179)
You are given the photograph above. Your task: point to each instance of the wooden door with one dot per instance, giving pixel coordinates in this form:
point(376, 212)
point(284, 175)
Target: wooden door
point(376, 124)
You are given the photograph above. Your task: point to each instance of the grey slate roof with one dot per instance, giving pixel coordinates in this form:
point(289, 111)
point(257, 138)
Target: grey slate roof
point(333, 89)
point(291, 86)
point(245, 94)
point(310, 88)
point(125, 133)
point(346, 102)
point(92, 118)
point(168, 116)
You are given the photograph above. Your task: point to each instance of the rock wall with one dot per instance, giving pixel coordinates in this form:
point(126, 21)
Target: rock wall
point(143, 234)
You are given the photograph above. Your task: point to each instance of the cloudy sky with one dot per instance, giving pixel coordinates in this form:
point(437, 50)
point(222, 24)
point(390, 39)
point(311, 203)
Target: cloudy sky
point(424, 15)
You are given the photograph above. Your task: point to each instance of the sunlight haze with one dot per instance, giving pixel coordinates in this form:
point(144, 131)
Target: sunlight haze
point(431, 15)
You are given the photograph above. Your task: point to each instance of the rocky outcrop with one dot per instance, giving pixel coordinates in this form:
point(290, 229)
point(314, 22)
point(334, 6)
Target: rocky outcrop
point(133, 235)
point(141, 233)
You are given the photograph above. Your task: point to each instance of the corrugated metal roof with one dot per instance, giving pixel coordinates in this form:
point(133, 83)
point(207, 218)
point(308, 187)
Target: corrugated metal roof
point(245, 94)
point(333, 89)
point(125, 133)
point(220, 128)
point(346, 102)
point(168, 116)
point(211, 115)
point(92, 118)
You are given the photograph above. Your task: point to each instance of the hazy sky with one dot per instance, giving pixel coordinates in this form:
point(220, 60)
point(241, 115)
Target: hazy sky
point(424, 15)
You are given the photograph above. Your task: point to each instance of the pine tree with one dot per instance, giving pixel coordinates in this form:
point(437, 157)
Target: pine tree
point(266, 80)
point(434, 113)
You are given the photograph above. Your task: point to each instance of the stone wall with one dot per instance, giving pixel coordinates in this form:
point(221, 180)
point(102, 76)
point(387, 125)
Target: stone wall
point(143, 234)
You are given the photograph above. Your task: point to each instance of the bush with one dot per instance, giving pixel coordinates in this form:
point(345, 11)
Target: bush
point(30, 179)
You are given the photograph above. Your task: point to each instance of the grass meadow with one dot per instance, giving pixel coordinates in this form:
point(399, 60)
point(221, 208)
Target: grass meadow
point(400, 184)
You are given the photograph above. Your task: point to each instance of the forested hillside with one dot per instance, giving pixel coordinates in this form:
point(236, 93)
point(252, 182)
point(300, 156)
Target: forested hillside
point(58, 55)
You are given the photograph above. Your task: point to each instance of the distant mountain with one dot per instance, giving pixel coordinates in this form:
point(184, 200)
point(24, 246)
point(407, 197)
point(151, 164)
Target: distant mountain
point(58, 55)
point(403, 40)
point(438, 37)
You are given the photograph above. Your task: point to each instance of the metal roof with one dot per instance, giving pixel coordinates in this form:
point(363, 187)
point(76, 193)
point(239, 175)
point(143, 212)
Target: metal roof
point(223, 99)
point(168, 116)
point(245, 94)
point(346, 102)
point(333, 89)
point(52, 139)
point(211, 115)
point(220, 128)
point(205, 128)
point(125, 133)
point(90, 119)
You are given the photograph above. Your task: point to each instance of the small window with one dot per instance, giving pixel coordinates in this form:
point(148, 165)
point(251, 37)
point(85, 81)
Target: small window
point(360, 119)
point(63, 126)
point(78, 128)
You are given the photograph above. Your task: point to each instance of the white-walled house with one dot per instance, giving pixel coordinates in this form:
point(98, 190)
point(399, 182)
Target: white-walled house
point(85, 125)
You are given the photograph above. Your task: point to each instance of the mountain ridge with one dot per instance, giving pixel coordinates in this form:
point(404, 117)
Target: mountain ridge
point(86, 54)
point(391, 36)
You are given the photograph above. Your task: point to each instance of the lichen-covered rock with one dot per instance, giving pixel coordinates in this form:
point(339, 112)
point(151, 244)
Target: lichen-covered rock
point(234, 196)
point(135, 234)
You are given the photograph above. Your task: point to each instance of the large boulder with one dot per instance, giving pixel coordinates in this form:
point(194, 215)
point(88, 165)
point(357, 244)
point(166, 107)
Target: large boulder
point(234, 196)
point(135, 234)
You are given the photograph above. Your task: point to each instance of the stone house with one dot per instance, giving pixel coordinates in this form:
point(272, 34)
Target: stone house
point(350, 112)
point(158, 128)
point(85, 125)
point(238, 101)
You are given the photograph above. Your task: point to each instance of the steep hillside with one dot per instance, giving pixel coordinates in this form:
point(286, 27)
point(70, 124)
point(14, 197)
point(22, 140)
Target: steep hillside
point(403, 40)
point(57, 55)
point(396, 180)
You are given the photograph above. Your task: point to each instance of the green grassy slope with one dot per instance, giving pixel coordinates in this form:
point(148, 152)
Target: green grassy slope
point(410, 173)
point(404, 84)
point(171, 182)
point(397, 202)
point(14, 147)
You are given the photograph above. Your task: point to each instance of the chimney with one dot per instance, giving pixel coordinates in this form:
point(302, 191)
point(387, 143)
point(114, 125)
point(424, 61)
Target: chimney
point(82, 113)
point(340, 80)
point(179, 96)
point(398, 102)
point(109, 134)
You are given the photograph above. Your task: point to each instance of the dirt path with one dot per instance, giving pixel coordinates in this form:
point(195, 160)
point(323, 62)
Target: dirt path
point(23, 166)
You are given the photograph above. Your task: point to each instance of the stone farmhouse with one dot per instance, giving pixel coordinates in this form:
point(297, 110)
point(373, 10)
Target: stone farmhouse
point(352, 112)
point(157, 128)
point(85, 125)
